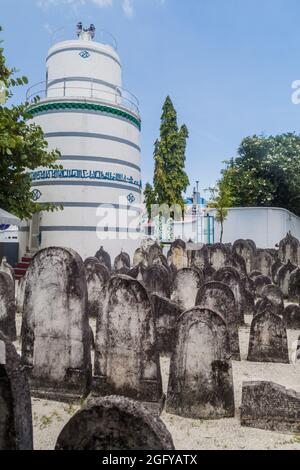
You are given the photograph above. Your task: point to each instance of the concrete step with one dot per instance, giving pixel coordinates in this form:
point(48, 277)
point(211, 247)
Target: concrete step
point(23, 265)
point(20, 271)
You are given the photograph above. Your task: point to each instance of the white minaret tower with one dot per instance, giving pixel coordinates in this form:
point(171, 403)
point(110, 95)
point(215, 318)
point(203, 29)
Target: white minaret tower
point(85, 113)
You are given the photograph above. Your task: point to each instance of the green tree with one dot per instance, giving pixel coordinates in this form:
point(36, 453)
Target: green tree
point(266, 172)
point(221, 201)
point(149, 199)
point(23, 148)
point(170, 179)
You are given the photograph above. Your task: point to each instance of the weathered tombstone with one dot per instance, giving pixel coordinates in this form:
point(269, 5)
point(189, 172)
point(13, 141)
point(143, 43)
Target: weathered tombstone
point(7, 307)
point(230, 276)
point(264, 262)
point(294, 285)
point(178, 255)
point(298, 351)
point(268, 339)
point(153, 251)
point(122, 261)
point(114, 423)
point(15, 404)
point(185, 287)
point(260, 282)
point(219, 298)
point(252, 243)
point(20, 293)
point(173, 272)
point(137, 272)
point(156, 279)
point(254, 275)
point(209, 273)
point(166, 313)
point(200, 258)
point(5, 267)
point(104, 258)
point(291, 317)
point(289, 249)
point(266, 405)
point(275, 297)
point(140, 257)
point(218, 255)
point(249, 307)
point(247, 250)
point(55, 328)
point(160, 260)
point(124, 270)
point(126, 357)
point(97, 276)
point(146, 243)
point(283, 278)
point(274, 270)
point(263, 304)
point(238, 262)
point(200, 382)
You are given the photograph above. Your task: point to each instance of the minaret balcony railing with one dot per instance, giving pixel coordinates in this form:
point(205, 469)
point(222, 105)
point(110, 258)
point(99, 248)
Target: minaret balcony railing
point(44, 91)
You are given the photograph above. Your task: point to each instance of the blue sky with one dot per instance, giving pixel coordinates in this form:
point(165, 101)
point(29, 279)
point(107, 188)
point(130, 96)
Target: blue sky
point(228, 65)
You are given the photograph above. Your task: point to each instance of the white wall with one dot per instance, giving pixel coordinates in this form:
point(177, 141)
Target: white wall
point(266, 226)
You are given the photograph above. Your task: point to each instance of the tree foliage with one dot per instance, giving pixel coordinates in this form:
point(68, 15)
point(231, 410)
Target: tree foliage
point(23, 148)
point(266, 172)
point(221, 201)
point(170, 179)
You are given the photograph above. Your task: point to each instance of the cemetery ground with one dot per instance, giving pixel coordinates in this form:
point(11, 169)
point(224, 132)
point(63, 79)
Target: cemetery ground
point(49, 417)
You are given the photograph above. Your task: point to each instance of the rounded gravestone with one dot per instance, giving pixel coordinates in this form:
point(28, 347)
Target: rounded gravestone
point(275, 297)
point(166, 313)
point(153, 251)
point(289, 249)
point(274, 270)
point(140, 257)
point(55, 326)
point(200, 382)
point(185, 287)
point(122, 261)
point(219, 298)
point(218, 255)
point(97, 276)
point(104, 258)
point(114, 423)
point(254, 274)
point(260, 282)
point(156, 279)
point(5, 267)
point(7, 306)
point(15, 403)
point(137, 272)
point(126, 359)
point(294, 285)
point(291, 317)
point(177, 254)
point(264, 262)
point(200, 258)
point(283, 279)
point(247, 250)
point(230, 276)
point(298, 351)
point(268, 339)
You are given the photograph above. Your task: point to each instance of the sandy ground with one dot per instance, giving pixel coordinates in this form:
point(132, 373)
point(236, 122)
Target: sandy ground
point(50, 417)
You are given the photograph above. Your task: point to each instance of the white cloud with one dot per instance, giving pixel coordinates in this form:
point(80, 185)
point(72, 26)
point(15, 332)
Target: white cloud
point(127, 5)
point(46, 4)
point(128, 9)
point(103, 3)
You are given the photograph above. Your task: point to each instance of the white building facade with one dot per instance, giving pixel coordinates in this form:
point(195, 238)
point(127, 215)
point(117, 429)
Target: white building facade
point(95, 124)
